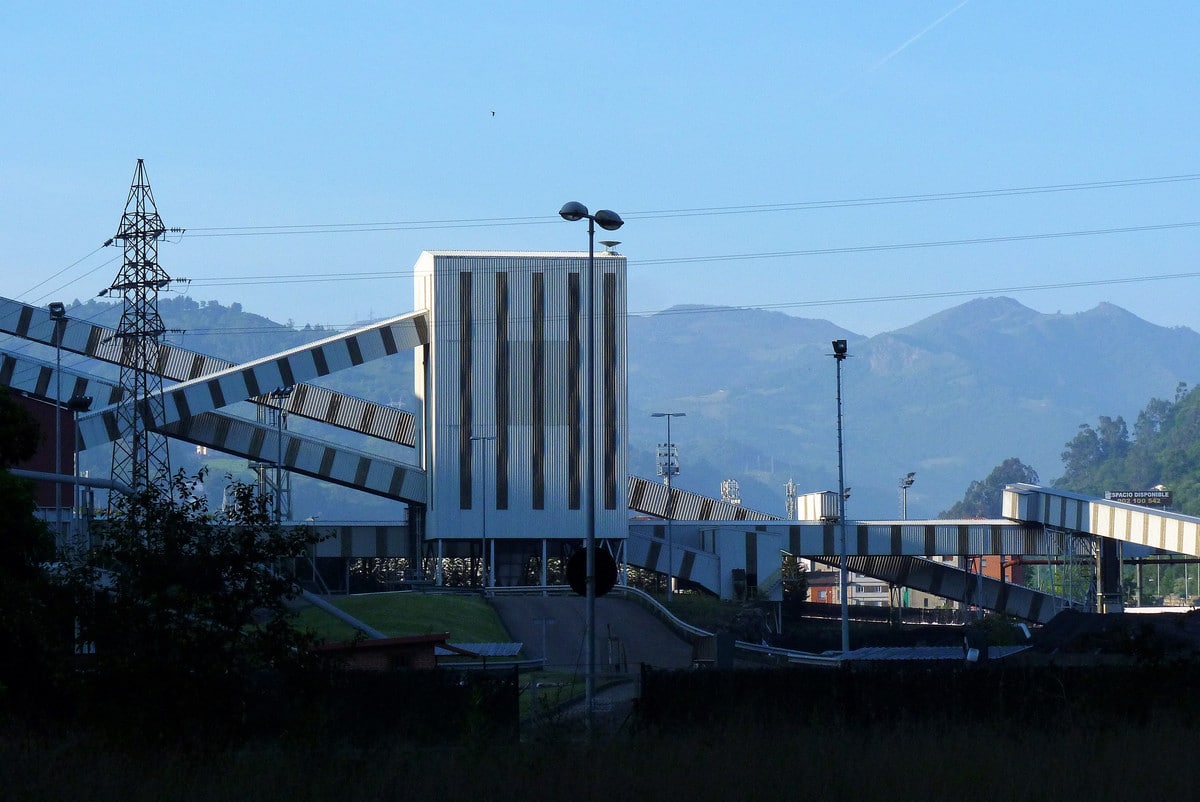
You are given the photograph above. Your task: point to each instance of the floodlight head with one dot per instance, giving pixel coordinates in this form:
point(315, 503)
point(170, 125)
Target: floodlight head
point(79, 403)
point(57, 310)
point(607, 220)
point(573, 211)
point(839, 347)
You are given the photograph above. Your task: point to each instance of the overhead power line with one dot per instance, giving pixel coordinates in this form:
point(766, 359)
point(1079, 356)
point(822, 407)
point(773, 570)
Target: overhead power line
point(762, 208)
point(920, 296)
point(900, 246)
point(329, 328)
point(324, 277)
point(316, 278)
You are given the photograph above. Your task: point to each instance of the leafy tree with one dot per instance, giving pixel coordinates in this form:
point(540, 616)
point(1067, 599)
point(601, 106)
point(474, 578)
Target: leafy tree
point(29, 605)
point(187, 608)
point(1093, 457)
point(1165, 450)
point(985, 499)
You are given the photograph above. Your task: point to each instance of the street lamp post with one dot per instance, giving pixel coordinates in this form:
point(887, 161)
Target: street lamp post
point(76, 404)
point(58, 313)
point(485, 565)
point(574, 211)
point(280, 394)
point(906, 482)
point(668, 466)
point(839, 355)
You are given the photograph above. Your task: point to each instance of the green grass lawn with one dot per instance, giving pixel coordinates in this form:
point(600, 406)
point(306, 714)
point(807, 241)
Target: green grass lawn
point(702, 611)
point(468, 618)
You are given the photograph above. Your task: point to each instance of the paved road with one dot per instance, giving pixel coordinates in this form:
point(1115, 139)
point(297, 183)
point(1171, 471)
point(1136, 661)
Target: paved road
point(628, 634)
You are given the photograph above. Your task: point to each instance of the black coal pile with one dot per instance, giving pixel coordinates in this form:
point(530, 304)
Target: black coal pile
point(1140, 637)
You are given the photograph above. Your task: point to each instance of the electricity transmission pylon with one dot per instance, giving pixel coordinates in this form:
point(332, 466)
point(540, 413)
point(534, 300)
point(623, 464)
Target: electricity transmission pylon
point(140, 456)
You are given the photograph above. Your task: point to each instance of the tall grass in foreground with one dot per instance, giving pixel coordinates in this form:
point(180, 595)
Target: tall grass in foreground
point(929, 760)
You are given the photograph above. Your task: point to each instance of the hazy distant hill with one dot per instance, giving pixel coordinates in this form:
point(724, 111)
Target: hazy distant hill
point(949, 397)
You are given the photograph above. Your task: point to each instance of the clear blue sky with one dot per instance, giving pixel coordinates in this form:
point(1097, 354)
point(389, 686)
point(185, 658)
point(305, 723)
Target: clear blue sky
point(269, 115)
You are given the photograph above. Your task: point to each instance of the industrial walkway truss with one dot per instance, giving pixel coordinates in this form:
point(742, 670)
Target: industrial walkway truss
point(692, 537)
point(226, 383)
point(705, 550)
point(192, 407)
point(1127, 523)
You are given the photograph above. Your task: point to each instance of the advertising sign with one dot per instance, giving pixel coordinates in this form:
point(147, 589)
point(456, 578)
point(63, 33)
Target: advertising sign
point(1147, 498)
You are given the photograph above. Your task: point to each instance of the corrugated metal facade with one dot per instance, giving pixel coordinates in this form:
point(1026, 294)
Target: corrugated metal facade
point(507, 360)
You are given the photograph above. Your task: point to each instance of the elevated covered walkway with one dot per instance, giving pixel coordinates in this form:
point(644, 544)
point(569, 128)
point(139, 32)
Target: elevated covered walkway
point(251, 440)
point(707, 552)
point(103, 344)
point(1114, 520)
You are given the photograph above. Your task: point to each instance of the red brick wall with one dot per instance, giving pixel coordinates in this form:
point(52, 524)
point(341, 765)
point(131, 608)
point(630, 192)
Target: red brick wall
point(43, 460)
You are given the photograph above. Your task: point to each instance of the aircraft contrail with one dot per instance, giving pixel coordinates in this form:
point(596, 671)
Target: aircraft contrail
point(926, 30)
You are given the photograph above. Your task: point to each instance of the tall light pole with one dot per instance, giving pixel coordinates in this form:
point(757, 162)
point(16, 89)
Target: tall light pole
point(574, 211)
point(280, 394)
point(839, 355)
point(906, 482)
point(58, 313)
point(484, 563)
point(668, 466)
point(76, 404)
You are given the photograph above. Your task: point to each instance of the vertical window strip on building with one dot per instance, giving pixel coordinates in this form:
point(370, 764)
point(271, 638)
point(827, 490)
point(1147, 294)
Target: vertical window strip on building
point(465, 366)
point(502, 390)
point(574, 411)
point(610, 391)
point(538, 392)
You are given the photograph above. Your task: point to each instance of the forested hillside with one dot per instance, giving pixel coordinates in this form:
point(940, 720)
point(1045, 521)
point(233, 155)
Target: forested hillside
point(1163, 449)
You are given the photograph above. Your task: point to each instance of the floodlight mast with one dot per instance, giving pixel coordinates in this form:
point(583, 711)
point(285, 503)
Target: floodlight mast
point(839, 355)
point(906, 482)
point(58, 314)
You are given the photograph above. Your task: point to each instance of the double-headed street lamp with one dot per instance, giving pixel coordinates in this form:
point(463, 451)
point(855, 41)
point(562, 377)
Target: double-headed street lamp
point(839, 355)
point(668, 466)
point(609, 221)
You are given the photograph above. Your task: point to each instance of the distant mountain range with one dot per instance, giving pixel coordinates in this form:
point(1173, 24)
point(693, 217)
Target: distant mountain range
point(949, 397)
